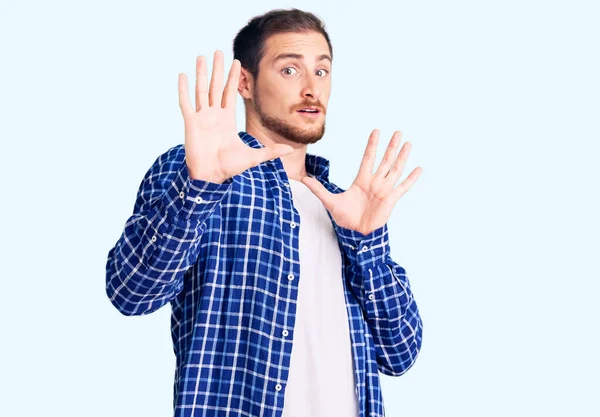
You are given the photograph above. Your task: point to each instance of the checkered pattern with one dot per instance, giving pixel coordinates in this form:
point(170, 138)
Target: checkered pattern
point(226, 257)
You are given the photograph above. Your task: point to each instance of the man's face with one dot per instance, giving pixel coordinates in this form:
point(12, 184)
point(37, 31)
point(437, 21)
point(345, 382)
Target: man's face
point(294, 74)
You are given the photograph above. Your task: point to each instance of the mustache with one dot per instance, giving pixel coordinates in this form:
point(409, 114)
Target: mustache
point(305, 104)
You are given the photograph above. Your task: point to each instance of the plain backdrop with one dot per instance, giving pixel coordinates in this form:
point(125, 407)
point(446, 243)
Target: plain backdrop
point(499, 236)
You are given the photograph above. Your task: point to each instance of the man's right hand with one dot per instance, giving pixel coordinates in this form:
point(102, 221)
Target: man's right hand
point(213, 149)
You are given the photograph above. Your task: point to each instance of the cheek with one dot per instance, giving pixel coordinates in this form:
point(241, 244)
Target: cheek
point(327, 91)
point(275, 97)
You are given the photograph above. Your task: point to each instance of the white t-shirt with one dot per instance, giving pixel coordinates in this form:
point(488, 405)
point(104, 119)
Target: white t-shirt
point(321, 376)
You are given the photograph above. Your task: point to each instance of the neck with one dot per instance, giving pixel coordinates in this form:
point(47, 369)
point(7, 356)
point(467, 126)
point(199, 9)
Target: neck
point(293, 163)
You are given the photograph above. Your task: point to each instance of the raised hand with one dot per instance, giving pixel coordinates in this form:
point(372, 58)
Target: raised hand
point(368, 203)
point(213, 150)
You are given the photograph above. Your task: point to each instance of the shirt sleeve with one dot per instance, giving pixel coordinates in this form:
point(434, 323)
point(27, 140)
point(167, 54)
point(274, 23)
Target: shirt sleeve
point(383, 290)
point(160, 240)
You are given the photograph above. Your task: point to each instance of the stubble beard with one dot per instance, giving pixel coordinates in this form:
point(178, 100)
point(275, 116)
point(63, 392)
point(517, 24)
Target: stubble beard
point(286, 130)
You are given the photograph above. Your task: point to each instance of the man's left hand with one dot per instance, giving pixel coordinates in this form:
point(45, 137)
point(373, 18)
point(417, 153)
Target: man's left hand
point(368, 203)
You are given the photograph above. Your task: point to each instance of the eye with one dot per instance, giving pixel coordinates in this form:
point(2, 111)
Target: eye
point(287, 69)
point(324, 71)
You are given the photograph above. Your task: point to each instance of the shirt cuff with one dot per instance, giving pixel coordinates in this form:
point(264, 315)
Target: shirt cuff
point(189, 199)
point(366, 251)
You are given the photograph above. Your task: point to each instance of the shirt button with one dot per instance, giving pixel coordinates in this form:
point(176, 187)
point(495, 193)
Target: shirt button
point(181, 194)
point(291, 277)
point(286, 184)
point(198, 200)
point(365, 248)
point(154, 238)
point(278, 387)
point(371, 296)
point(285, 332)
point(293, 225)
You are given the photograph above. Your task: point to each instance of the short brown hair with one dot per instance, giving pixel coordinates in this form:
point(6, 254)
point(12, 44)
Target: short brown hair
point(248, 45)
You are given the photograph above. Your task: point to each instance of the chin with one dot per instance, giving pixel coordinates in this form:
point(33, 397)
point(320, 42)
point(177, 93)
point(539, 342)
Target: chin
point(306, 135)
point(303, 131)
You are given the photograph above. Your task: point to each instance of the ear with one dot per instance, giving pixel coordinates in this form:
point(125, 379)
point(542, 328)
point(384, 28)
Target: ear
point(246, 84)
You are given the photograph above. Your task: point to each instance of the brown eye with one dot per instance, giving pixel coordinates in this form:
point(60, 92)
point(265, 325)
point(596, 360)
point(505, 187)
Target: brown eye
point(324, 71)
point(287, 70)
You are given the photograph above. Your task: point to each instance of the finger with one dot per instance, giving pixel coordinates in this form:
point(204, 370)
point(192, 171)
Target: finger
point(389, 156)
point(201, 83)
point(184, 96)
point(233, 80)
point(322, 193)
point(368, 161)
point(216, 81)
point(405, 185)
point(398, 167)
point(260, 155)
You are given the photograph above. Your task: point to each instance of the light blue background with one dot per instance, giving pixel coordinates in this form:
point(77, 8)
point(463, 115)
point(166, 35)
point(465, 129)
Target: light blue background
point(499, 236)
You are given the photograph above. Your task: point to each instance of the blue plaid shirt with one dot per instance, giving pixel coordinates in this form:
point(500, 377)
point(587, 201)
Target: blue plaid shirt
point(226, 257)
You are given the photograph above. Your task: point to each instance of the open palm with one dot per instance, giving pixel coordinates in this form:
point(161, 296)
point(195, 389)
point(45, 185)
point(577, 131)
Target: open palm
point(213, 149)
point(367, 204)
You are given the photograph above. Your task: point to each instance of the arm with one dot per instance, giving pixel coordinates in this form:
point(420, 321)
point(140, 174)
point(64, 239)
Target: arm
point(160, 241)
point(181, 190)
point(383, 290)
point(379, 283)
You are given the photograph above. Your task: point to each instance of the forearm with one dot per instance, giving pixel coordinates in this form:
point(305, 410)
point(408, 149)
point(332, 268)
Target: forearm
point(384, 293)
point(158, 245)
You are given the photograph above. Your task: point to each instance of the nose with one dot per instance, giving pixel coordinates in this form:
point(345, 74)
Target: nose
point(311, 87)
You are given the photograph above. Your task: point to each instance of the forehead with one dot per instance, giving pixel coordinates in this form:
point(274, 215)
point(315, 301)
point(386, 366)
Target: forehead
point(308, 44)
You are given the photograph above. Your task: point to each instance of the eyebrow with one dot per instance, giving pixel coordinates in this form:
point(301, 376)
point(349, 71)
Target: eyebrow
point(299, 56)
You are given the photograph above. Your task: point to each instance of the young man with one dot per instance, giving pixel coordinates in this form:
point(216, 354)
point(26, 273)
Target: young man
point(285, 301)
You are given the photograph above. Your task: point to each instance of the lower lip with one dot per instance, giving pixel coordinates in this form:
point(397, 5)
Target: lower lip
point(307, 114)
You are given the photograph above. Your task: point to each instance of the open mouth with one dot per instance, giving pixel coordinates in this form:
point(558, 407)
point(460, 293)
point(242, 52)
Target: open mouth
point(309, 112)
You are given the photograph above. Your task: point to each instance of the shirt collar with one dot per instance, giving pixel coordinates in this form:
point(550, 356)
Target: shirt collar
point(316, 166)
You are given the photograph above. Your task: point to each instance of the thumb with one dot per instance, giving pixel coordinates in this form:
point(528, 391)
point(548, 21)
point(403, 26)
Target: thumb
point(266, 153)
point(326, 197)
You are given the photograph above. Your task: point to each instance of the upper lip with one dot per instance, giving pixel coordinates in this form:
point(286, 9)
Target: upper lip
point(310, 108)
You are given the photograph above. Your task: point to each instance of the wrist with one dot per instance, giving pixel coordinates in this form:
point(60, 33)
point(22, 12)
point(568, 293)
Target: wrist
point(206, 176)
